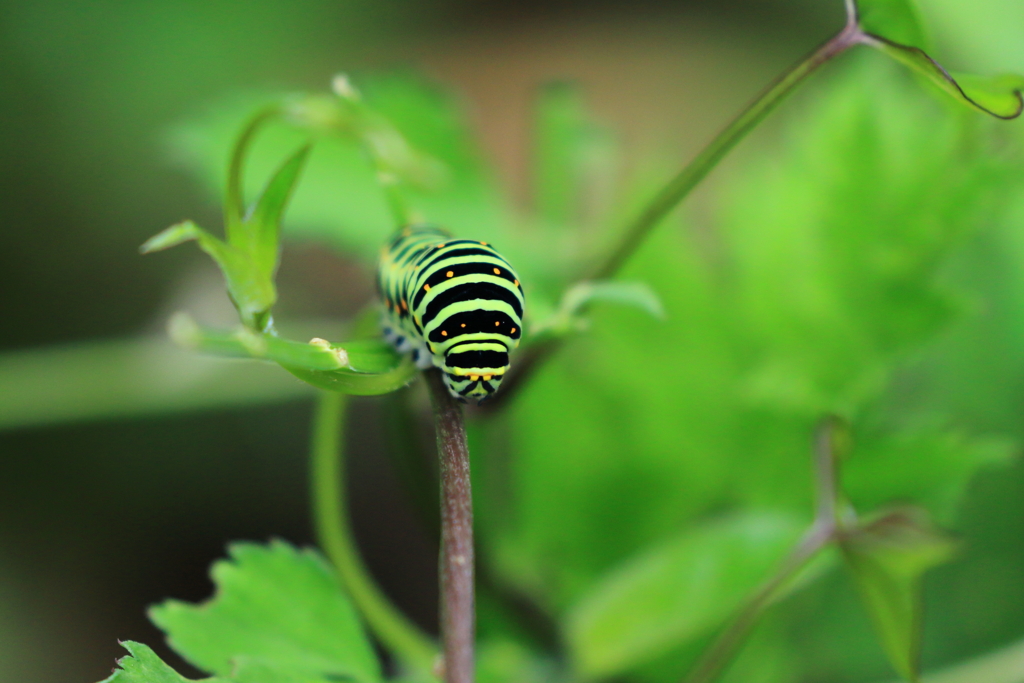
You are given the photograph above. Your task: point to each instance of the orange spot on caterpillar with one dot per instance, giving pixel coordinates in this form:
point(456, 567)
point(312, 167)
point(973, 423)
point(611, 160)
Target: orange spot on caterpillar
point(463, 324)
point(405, 306)
point(517, 283)
point(483, 244)
point(443, 333)
point(497, 271)
point(513, 330)
point(497, 323)
point(426, 288)
point(449, 274)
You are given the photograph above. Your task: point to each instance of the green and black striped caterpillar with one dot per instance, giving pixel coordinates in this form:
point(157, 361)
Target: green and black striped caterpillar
point(455, 304)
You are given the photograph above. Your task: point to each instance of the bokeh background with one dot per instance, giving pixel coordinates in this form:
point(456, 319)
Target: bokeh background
point(126, 466)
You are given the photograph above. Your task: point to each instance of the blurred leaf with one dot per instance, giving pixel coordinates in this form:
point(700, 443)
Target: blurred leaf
point(363, 367)
point(823, 279)
point(838, 267)
point(897, 20)
point(888, 557)
point(144, 666)
point(279, 608)
point(570, 153)
point(931, 467)
point(675, 591)
point(1005, 665)
point(505, 661)
point(129, 378)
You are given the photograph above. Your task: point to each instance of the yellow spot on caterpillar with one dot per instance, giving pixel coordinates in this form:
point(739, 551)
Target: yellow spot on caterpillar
point(474, 378)
point(497, 271)
point(443, 333)
point(449, 274)
point(497, 323)
point(513, 330)
point(426, 288)
point(487, 378)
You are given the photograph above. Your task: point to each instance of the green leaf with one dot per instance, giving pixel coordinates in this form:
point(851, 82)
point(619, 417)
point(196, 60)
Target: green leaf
point(888, 557)
point(250, 285)
point(144, 666)
point(362, 367)
point(929, 466)
point(893, 27)
point(1001, 96)
point(263, 225)
point(277, 607)
point(675, 591)
point(897, 20)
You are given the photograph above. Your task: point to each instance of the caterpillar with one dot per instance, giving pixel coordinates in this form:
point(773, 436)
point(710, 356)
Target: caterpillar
point(454, 304)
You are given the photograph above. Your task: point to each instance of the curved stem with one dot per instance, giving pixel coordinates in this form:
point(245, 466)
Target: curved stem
point(822, 532)
point(390, 626)
point(458, 612)
point(680, 187)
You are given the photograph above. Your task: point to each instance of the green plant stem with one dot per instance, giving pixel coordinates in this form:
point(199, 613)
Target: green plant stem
point(390, 626)
point(822, 532)
point(680, 187)
point(458, 611)
point(713, 662)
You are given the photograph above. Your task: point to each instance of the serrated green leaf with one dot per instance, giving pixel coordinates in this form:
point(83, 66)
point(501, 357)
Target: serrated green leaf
point(264, 222)
point(144, 666)
point(675, 591)
point(888, 557)
point(897, 20)
point(277, 606)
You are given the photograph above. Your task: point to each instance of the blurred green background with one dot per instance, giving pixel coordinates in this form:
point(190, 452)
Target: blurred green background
point(862, 252)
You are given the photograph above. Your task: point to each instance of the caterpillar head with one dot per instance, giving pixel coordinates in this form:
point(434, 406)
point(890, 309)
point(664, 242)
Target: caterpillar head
point(475, 371)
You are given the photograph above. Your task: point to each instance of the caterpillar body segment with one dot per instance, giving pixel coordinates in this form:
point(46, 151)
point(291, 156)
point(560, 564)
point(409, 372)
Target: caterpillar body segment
point(452, 303)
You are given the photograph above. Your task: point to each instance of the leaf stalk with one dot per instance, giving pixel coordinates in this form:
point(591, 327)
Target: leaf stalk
point(387, 623)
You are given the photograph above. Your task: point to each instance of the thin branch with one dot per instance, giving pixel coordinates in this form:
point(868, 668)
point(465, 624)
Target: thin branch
point(680, 187)
point(822, 532)
point(826, 471)
point(714, 661)
point(458, 612)
point(389, 625)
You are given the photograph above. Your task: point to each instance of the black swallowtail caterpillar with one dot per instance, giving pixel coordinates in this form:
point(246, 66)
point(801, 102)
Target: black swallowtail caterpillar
point(455, 304)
